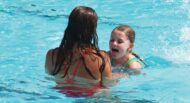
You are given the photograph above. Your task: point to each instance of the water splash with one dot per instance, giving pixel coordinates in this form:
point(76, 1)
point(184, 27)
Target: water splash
point(175, 47)
point(178, 54)
point(186, 1)
point(186, 6)
point(185, 34)
point(169, 1)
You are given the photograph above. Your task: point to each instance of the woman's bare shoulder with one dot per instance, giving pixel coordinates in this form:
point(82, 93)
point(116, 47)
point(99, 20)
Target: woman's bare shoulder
point(50, 59)
point(106, 55)
point(98, 54)
point(102, 53)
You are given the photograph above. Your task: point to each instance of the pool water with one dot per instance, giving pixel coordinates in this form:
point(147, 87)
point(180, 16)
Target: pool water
point(29, 28)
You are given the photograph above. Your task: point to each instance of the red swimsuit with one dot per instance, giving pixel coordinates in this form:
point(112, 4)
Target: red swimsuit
point(73, 91)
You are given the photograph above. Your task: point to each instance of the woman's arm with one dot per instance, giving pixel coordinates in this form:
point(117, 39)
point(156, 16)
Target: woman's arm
point(106, 76)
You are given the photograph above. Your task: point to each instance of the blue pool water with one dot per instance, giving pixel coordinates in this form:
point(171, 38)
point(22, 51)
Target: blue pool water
point(29, 28)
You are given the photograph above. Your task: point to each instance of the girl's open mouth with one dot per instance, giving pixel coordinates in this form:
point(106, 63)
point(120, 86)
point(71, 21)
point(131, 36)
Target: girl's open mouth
point(115, 50)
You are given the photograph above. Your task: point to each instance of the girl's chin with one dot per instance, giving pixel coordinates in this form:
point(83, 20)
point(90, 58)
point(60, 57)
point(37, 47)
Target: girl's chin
point(114, 56)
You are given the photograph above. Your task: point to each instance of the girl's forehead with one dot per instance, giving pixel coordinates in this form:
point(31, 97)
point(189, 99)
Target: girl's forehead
point(119, 34)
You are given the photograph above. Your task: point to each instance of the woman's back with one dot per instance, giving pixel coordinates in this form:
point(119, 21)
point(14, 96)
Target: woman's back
point(84, 67)
point(84, 75)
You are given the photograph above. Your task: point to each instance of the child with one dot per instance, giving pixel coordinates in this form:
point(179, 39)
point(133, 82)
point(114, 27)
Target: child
point(121, 44)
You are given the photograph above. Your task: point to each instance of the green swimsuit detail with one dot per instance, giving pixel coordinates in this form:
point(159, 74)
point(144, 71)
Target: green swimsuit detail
point(129, 61)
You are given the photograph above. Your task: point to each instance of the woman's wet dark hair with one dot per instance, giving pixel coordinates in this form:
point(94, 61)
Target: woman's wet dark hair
point(80, 32)
point(81, 28)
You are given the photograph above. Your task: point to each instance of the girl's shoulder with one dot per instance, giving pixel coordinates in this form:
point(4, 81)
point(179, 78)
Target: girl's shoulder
point(134, 63)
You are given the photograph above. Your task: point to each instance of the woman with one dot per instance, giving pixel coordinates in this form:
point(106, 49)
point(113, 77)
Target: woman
point(78, 66)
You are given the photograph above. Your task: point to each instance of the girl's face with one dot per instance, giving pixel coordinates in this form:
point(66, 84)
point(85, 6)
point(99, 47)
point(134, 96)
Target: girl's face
point(119, 45)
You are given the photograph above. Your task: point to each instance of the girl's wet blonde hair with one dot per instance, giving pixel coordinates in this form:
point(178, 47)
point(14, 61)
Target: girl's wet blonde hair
point(129, 32)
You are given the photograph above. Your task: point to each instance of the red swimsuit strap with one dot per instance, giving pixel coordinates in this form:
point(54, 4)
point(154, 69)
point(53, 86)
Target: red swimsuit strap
point(75, 70)
point(70, 79)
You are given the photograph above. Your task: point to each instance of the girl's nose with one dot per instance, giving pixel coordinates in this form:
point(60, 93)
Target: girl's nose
point(114, 43)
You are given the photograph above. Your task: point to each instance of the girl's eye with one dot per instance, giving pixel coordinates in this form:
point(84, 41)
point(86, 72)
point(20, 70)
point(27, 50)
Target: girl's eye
point(112, 40)
point(120, 41)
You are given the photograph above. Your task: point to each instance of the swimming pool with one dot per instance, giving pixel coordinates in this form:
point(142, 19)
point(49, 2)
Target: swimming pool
point(29, 28)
